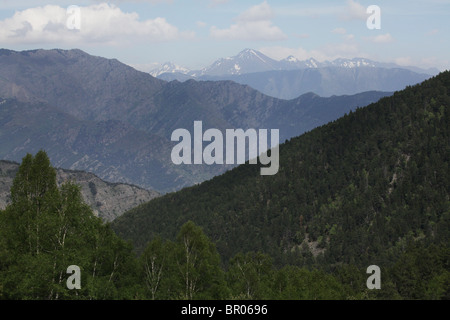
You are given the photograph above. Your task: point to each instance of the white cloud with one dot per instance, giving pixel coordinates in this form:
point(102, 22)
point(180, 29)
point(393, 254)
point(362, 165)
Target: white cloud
point(404, 61)
point(253, 24)
point(261, 12)
point(382, 38)
point(349, 37)
point(354, 11)
point(201, 24)
point(100, 23)
point(339, 31)
point(279, 53)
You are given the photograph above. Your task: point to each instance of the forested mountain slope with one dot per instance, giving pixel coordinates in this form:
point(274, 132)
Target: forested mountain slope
point(356, 190)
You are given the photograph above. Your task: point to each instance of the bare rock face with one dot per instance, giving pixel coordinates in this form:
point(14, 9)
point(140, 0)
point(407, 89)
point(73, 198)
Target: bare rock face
point(107, 200)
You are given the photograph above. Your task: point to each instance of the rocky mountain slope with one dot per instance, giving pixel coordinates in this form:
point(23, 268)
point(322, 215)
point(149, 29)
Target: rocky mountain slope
point(108, 200)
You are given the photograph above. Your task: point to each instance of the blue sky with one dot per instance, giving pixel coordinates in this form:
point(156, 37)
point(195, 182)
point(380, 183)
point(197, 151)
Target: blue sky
point(194, 33)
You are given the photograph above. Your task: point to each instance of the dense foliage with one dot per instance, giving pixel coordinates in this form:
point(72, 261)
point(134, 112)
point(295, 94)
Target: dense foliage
point(357, 191)
point(45, 230)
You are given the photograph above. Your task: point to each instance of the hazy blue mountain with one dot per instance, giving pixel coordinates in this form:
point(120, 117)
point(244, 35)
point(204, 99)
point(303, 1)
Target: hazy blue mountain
point(247, 61)
point(99, 115)
point(85, 86)
point(290, 77)
point(111, 149)
point(253, 61)
point(327, 81)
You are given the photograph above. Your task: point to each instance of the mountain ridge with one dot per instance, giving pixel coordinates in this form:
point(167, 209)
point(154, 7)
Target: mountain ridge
point(99, 115)
point(239, 64)
point(107, 200)
point(289, 78)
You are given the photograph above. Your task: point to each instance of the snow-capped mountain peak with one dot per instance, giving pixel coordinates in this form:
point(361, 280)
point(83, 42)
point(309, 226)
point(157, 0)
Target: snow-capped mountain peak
point(312, 63)
point(168, 67)
point(354, 63)
point(252, 61)
point(246, 61)
point(249, 54)
point(292, 59)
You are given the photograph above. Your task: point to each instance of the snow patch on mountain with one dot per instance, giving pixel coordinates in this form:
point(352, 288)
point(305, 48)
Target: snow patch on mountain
point(252, 61)
point(169, 67)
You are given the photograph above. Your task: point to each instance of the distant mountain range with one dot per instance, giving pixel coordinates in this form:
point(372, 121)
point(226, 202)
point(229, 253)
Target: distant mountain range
point(107, 200)
point(252, 61)
point(99, 115)
point(290, 77)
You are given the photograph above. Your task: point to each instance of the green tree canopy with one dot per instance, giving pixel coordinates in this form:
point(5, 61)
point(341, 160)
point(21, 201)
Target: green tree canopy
point(45, 229)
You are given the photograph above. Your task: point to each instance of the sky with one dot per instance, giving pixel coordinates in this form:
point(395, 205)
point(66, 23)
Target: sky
point(195, 33)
